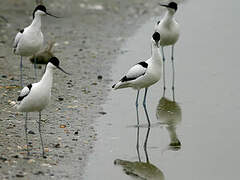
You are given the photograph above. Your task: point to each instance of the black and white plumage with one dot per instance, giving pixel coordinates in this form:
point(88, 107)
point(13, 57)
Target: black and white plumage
point(170, 32)
point(35, 97)
point(135, 72)
point(29, 40)
point(144, 73)
point(25, 91)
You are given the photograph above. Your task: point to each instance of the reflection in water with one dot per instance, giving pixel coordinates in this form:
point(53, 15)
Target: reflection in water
point(169, 113)
point(139, 169)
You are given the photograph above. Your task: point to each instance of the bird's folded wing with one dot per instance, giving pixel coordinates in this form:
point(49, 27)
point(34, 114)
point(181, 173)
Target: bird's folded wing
point(17, 38)
point(25, 91)
point(135, 72)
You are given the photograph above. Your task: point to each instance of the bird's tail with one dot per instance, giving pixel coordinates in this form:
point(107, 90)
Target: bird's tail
point(120, 85)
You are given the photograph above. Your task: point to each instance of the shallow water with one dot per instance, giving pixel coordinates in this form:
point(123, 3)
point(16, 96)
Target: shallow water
point(202, 124)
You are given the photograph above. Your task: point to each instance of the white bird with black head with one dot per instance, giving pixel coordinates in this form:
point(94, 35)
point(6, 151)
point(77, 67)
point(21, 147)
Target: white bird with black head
point(144, 74)
point(35, 97)
point(170, 31)
point(29, 40)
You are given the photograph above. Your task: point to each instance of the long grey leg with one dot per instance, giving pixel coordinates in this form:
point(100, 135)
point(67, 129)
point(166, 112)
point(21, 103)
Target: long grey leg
point(26, 133)
point(144, 105)
point(137, 107)
point(39, 129)
point(163, 56)
point(21, 73)
point(35, 67)
point(173, 69)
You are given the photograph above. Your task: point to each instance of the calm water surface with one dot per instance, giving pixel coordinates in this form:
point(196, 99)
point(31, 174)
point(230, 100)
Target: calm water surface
point(197, 136)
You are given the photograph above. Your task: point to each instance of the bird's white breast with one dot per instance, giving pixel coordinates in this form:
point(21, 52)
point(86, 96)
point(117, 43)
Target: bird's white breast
point(30, 42)
point(169, 32)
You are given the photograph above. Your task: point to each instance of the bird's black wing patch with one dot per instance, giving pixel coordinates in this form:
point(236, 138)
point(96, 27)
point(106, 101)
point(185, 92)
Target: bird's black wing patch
point(143, 64)
point(158, 22)
point(125, 78)
point(25, 91)
point(135, 72)
point(17, 39)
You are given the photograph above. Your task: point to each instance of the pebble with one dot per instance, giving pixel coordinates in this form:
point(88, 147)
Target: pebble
point(62, 126)
point(15, 156)
point(102, 112)
point(31, 132)
point(38, 173)
point(3, 159)
point(60, 98)
point(99, 77)
point(19, 175)
point(31, 161)
point(57, 145)
point(46, 165)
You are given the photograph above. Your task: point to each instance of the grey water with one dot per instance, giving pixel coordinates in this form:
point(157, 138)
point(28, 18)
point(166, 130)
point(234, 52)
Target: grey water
point(194, 137)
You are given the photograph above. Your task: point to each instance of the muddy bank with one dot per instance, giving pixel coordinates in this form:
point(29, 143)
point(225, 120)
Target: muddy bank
point(88, 39)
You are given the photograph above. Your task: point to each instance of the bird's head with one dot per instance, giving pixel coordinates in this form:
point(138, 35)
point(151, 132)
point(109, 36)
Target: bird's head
point(156, 39)
point(41, 10)
point(172, 6)
point(54, 62)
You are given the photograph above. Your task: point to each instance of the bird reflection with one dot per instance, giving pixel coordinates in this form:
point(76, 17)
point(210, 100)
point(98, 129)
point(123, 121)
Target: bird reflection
point(169, 113)
point(139, 169)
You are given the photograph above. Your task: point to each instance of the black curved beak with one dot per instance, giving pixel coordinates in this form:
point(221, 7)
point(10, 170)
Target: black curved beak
point(52, 15)
point(164, 5)
point(63, 70)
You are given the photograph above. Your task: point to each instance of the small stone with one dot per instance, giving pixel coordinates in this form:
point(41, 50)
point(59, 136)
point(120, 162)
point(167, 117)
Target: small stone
point(76, 133)
point(15, 156)
point(31, 132)
point(4, 76)
point(60, 98)
point(99, 77)
point(20, 175)
point(57, 145)
point(31, 161)
point(74, 139)
point(80, 158)
point(3, 159)
point(62, 126)
point(102, 112)
point(39, 173)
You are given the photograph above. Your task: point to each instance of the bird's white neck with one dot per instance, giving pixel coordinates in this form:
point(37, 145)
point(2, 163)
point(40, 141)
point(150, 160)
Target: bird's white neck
point(169, 15)
point(47, 77)
point(156, 54)
point(36, 21)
